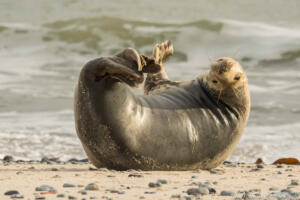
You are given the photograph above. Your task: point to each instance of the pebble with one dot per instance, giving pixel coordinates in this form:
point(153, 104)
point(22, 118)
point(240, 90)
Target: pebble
point(8, 159)
point(212, 191)
point(60, 196)
point(279, 172)
point(83, 192)
point(217, 171)
point(68, 185)
point(17, 196)
point(71, 197)
point(111, 176)
point(215, 182)
point(153, 185)
point(92, 186)
point(204, 190)
point(194, 176)
point(193, 191)
point(54, 169)
point(227, 193)
point(294, 182)
point(135, 175)
point(11, 192)
point(162, 181)
point(40, 198)
point(44, 188)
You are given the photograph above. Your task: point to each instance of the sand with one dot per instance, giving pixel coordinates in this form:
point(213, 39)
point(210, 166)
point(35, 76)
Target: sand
point(248, 180)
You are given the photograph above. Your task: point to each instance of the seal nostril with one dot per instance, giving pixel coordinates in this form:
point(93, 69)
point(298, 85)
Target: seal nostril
point(214, 81)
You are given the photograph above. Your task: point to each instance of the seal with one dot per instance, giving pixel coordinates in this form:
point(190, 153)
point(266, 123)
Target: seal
point(177, 126)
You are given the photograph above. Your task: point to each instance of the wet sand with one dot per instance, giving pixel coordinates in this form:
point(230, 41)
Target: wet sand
point(69, 181)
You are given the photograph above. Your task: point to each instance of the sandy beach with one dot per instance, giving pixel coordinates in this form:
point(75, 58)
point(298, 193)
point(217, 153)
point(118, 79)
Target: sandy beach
point(79, 180)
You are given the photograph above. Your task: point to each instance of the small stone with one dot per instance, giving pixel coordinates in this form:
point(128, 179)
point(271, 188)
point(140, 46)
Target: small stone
point(71, 197)
point(8, 159)
point(68, 185)
point(11, 192)
point(121, 192)
point(217, 171)
point(135, 175)
point(193, 191)
point(279, 172)
point(44, 188)
point(153, 185)
point(279, 166)
point(19, 172)
point(111, 176)
point(60, 196)
point(194, 177)
point(187, 198)
point(215, 182)
point(162, 181)
point(17, 196)
point(54, 169)
point(40, 198)
point(227, 193)
point(212, 191)
point(92, 186)
point(83, 192)
point(294, 182)
point(203, 190)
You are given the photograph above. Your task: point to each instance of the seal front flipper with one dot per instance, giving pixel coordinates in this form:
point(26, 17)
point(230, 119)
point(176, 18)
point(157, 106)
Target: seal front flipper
point(158, 81)
point(125, 67)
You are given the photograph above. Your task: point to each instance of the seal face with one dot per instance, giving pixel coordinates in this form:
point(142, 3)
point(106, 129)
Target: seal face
point(174, 126)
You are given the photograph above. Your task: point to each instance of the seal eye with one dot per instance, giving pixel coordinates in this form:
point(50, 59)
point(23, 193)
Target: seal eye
point(237, 78)
point(214, 81)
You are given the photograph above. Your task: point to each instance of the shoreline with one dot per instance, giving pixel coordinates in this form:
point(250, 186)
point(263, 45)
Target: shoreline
point(70, 181)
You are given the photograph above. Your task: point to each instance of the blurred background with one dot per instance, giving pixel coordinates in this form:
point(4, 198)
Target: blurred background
point(44, 44)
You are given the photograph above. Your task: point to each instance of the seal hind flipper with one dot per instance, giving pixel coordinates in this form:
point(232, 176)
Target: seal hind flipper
point(125, 66)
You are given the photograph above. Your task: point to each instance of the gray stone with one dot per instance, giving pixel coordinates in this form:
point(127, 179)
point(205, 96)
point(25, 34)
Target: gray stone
point(71, 197)
point(227, 193)
point(60, 196)
point(92, 186)
point(68, 185)
point(40, 198)
point(162, 181)
point(44, 188)
point(83, 192)
point(194, 191)
point(294, 182)
point(11, 192)
point(135, 175)
point(203, 190)
point(17, 196)
point(212, 191)
point(152, 185)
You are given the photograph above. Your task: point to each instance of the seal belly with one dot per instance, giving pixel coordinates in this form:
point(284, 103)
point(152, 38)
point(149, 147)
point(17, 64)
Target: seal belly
point(173, 128)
